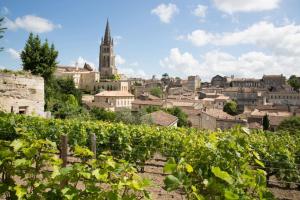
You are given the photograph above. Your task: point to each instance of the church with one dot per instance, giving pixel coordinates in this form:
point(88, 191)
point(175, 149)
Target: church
point(107, 67)
point(90, 80)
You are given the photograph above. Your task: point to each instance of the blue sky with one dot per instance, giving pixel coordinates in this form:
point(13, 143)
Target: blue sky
point(207, 37)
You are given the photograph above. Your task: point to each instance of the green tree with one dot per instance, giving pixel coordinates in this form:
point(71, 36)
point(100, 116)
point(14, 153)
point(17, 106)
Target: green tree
point(266, 122)
point(63, 99)
point(125, 116)
point(38, 58)
point(151, 109)
point(290, 125)
point(156, 91)
point(230, 108)
point(182, 116)
point(294, 82)
point(2, 29)
point(102, 114)
point(116, 77)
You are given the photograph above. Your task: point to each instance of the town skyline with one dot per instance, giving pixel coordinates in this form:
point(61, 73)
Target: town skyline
point(253, 40)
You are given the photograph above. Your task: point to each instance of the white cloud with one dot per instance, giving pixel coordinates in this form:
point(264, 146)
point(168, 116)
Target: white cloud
point(117, 39)
point(200, 37)
point(134, 73)
point(134, 64)
point(232, 6)
point(13, 53)
point(182, 62)
point(31, 23)
point(81, 61)
point(251, 64)
point(165, 12)
point(278, 39)
point(200, 11)
point(4, 11)
point(119, 60)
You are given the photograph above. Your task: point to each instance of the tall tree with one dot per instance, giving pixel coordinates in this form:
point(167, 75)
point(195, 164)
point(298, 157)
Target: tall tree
point(294, 82)
point(156, 91)
point(39, 58)
point(2, 29)
point(266, 122)
point(230, 108)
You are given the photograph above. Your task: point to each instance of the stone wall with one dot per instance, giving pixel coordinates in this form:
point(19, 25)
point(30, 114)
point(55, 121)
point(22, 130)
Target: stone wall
point(22, 94)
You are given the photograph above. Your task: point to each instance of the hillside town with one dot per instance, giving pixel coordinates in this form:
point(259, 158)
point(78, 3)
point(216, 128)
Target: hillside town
point(270, 97)
point(141, 100)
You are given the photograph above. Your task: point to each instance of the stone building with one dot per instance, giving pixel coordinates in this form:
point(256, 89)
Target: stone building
point(161, 118)
point(107, 67)
point(113, 100)
point(218, 81)
point(111, 85)
point(245, 96)
point(84, 78)
point(283, 97)
point(22, 93)
point(273, 81)
point(275, 117)
point(246, 82)
point(194, 83)
point(213, 119)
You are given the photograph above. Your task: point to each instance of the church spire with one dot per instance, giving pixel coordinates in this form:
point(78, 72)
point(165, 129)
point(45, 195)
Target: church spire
point(107, 38)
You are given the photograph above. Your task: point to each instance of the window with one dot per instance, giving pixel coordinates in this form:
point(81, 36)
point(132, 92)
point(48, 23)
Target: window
point(23, 109)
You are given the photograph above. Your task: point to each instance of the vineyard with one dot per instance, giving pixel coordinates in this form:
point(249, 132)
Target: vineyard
point(233, 164)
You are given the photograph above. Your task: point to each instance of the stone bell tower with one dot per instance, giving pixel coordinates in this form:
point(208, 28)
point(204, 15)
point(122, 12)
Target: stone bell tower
point(107, 66)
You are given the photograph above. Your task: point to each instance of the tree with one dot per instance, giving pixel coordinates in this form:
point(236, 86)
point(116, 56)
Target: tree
point(151, 109)
point(294, 82)
point(230, 108)
point(125, 116)
point(102, 114)
point(2, 29)
point(116, 77)
point(63, 99)
point(290, 125)
point(182, 116)
point(156, 91)
point(266, 122)
point(38, 58)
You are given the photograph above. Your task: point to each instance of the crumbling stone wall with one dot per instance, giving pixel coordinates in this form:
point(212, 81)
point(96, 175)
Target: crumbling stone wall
point(22, 94)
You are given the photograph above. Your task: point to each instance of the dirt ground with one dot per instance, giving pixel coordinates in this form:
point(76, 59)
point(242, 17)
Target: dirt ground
point(154, 172)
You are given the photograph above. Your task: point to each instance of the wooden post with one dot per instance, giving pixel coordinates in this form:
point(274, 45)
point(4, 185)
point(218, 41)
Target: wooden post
point(93, 143)
point(64, 155)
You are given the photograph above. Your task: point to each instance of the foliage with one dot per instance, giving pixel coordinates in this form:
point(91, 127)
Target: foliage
point(156, 91)
point(128, 117)
point(151, 109)
point(63, 99)
point(230, 108)
point(182, 116)
point(231, 164)
point(38, 57)
point(266, 122)
point(101, 178)
point(102, 114)
point(2, 29)
point(165, 76)
point(290, 125)
point(116, 77)
point(176, 111)
point(294, 82)
point(7, 71)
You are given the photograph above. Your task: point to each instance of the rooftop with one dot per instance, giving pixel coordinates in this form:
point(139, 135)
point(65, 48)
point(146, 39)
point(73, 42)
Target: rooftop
point(114, 94)
point(220, 114)
point(162, 118)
